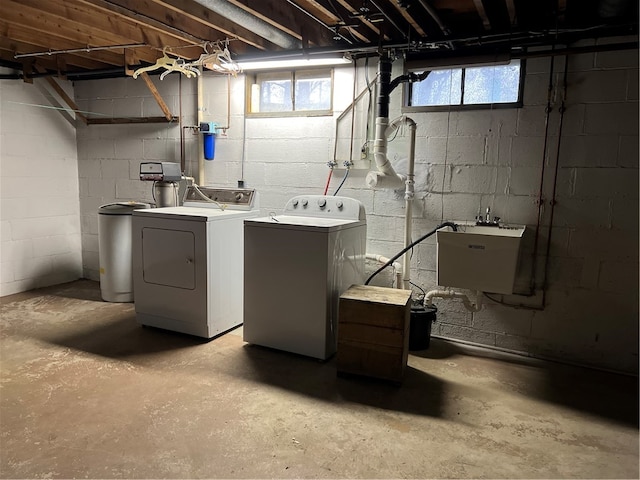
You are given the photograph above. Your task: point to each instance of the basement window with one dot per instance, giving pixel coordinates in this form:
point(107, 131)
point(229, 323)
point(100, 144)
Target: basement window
point(466, 87)
point(290, 93)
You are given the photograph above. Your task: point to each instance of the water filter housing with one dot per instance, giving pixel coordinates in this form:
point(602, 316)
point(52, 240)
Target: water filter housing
point(208, 130)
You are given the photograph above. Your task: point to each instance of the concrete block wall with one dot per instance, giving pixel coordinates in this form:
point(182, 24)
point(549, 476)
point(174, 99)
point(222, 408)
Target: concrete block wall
point(39, 212)
point(465, 161)
point(109, 156)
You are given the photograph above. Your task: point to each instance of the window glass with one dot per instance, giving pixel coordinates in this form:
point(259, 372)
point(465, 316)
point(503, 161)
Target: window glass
point(313, 92)
point(486, 85)
point(441, 87)
point(285, 93)
point(275, 96)
point(497, 84)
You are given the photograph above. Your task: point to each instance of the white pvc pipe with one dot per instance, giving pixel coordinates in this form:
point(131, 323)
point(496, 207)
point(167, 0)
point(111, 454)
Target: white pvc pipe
point(382, 260)
point(468, 304)
point(409, 191)
point(385, 176)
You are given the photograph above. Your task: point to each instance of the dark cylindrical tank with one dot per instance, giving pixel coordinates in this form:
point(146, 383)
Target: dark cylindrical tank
point(420, 326)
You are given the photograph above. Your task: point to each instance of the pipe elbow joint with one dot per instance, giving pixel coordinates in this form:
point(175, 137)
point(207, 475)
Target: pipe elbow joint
point(382, 180)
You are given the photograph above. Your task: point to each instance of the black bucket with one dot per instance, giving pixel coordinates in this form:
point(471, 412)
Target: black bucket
point(420, 326)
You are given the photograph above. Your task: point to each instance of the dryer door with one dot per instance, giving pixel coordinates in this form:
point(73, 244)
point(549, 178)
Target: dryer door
point(168, 257)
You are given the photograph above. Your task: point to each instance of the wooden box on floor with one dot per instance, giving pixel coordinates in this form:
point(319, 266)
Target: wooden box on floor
point(373, 332)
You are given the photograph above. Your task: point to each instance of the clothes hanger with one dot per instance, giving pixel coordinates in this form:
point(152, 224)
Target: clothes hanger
point(218, 60)
point(170, 65)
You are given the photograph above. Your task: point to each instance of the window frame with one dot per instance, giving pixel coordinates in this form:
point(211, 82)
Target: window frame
point(251, 79)
point(416, 67)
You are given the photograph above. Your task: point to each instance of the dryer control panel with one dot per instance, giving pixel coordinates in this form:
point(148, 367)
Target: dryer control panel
point(213, 197)
point(325, 206)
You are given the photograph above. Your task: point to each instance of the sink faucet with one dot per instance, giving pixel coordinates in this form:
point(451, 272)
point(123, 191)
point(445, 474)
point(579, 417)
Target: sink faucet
point(486, 219)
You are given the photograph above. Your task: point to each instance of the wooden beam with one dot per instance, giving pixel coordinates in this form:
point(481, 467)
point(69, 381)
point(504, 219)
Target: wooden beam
point(482, 14)
point(324, 10)
point(496, 17)
point(61, 65)
point(562, 9)
point(130, 58)
point(88, 27)
point(166, 35)
point(68, 100)
point(27, 70)
point(127, 120)
point(202, 15)
point(282, 16)
point(364, 21)
point(409, 18)
point(512, 12)
point(156, 95)
point(28, 40)
point(45, 23)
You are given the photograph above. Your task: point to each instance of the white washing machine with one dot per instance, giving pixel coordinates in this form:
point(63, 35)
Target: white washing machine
point(188, 262)
point(296, 266)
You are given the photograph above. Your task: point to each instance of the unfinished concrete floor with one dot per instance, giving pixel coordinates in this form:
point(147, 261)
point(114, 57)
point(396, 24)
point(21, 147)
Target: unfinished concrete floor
point(86, 392)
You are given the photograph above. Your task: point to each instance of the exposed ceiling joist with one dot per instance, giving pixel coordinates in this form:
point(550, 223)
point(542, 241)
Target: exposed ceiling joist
point(288, 27)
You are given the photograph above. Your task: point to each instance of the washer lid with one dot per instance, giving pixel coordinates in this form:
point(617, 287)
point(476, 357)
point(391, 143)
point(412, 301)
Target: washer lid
point(121, 208)
point(197, 214)
point(296, 222)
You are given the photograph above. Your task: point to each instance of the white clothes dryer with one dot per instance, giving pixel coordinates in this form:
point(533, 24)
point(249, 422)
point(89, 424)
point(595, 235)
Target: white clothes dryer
point(188, 262)
point(296, 266)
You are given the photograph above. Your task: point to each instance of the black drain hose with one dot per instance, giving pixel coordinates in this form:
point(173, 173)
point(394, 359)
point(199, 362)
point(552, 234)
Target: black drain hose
point(410, 246)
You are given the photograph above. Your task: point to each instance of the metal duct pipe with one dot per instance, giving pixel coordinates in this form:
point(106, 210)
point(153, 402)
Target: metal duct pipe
point(251, 22)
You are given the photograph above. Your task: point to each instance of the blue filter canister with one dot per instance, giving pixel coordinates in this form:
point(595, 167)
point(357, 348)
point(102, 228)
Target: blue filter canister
point(209, 140)
point(208, 130)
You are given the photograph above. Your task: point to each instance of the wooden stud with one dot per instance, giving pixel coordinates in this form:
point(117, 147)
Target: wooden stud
point(68, 100)
point(156, 95)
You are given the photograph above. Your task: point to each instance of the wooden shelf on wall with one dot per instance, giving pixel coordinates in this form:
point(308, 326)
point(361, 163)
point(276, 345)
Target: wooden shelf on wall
point(124, 120)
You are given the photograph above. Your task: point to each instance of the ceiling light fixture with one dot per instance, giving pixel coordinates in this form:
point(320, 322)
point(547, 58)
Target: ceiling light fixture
point(275, 63)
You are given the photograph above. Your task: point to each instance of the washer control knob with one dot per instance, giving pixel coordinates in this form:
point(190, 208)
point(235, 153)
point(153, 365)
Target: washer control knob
point(339, 204)
point(239, 196)
point(295, 203)
point(305, 202)
point(322, 203)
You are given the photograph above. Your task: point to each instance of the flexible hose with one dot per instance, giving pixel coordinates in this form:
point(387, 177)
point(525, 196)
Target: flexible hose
point(326, 187)
point(410, 246)
point(346, 174)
